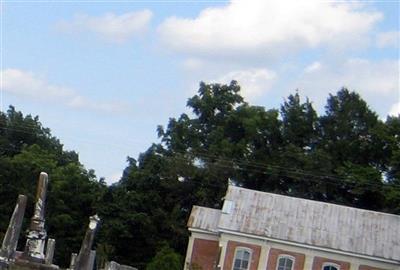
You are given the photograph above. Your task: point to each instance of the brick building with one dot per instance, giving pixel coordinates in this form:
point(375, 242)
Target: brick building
point(257, 230)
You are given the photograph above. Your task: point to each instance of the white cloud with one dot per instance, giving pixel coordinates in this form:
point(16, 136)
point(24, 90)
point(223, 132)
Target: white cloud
point(388, 39)
point(313, 67)
point(193, 64)
point(111, 27)
point(395, 109)
point(26, 84)
point(114, 178)
point(371, 79)
point(381, 77)
point(263, 28)
point(253, 82)
point(80, 102)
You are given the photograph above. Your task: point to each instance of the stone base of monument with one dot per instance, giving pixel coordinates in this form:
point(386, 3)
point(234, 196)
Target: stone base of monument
point(116, 266)
point(3, 265)
point(21, 264)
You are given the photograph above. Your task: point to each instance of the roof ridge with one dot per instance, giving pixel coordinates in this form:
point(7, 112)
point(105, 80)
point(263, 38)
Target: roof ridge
point(314, 201)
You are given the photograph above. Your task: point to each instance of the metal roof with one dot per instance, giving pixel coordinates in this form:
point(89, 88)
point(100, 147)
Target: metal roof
point(204, 218)
point(304, 221)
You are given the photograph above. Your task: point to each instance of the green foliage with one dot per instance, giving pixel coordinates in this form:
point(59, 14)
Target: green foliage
point(299, 122)
point(347, 156)
point(340, 157)
point(166, 259)
point(27, 149)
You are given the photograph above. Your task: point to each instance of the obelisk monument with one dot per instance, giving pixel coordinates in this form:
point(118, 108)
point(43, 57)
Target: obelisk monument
point(36, 237)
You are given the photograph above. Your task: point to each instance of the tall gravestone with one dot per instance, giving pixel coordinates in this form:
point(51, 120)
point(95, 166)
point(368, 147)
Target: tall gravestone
point(33, 256)
point(36, 237)
point(10, 241)
point(83, 260)
point(51, 243)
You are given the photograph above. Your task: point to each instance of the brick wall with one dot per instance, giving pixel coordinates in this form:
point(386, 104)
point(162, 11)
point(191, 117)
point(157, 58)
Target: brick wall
point(230, 254)
point(320, 261)
point(205, 253)
point(366, 267)
point(275, 253)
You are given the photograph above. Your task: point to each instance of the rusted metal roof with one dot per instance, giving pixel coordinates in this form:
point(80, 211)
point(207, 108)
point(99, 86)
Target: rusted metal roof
point(303, 221)
point(204, 218)
point(313, 223)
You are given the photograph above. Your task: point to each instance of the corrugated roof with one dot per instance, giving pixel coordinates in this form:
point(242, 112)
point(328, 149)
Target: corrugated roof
point(204, 218)
point(304, 221)
point(311, 222)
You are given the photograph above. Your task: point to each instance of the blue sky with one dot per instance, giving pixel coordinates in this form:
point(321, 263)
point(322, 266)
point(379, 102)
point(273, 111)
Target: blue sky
point(102, 75)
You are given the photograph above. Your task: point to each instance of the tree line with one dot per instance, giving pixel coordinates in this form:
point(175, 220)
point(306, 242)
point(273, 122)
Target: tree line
point(347, 156)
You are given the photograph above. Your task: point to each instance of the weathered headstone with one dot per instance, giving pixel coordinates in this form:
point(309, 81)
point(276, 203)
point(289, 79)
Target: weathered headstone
point(116, 266)
point(73, 261)
point(33, 256)
point(10, 241)
point(83, 259)
point(92, 259)
point(36, 237)
point(51, 243)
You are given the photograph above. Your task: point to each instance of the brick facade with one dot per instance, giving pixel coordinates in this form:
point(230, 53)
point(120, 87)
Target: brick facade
point(366, 267)
point(320, 261)
point(275, 253)
point(204, 254)
point(230, 254)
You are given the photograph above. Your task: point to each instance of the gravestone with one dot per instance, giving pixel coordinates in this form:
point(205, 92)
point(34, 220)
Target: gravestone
point(51, 243)
point(83, 259)
point(116, 266)
point(36, 237)
point(10, 241)
point(33, 256)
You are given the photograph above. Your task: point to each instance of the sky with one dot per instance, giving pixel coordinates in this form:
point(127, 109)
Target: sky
point(102, 75)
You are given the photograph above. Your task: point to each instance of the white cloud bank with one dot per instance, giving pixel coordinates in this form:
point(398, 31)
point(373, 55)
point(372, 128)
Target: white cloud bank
point(262, 27)
point(113, 178)
point(388, 39)
point(376, 81)
point(253, 82)
point(28, 85)
point(111, 27)
point(374, 77)
point(395, 109)
point(23, 83)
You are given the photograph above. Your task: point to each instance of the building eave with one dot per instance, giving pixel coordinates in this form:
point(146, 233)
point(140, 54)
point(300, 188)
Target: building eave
point(203, 231)
point(264, 238)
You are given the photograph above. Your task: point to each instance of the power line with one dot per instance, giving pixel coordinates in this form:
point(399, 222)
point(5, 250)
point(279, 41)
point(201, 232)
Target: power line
point(267, 167)
point(261, 167)
point(339, 182)
point(257, 165)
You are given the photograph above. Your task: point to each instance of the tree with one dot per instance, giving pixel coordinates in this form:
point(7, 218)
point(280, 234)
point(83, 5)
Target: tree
point(347, 156)
point(166, 259)
point(26, 149)
point(392, 173)
point(357, 142)
point(348, 130)
point(339, 157)
point(299, 122)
